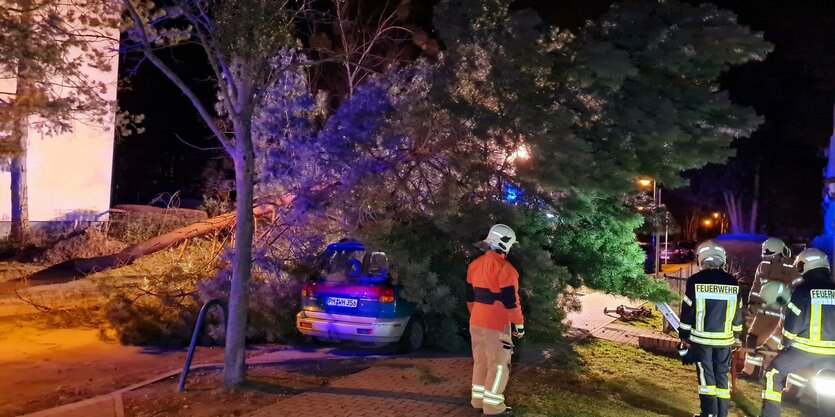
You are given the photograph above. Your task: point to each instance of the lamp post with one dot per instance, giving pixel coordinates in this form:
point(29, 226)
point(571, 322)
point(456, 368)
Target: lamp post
point(656, 201)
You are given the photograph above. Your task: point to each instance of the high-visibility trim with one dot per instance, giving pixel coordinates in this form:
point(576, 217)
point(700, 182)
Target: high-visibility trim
point(702, 380)
point(700, 314)
point(707, 390)
point(773, 396)
point(685, 326)
point(478, 392)
point(769, 385)
point(712, 342)
point(729, 316)
point(825, 351)
point(493, 396)
point(687, 301)
point(492, 402)
point(754, 360)
point(815, 323)
point(723, 393)
point(498, 381)
point(737, 328)
point(794, 308)
point(493, 399)
point(823, 344)
point(713, 335)
point(797, 380)
point(754, 293)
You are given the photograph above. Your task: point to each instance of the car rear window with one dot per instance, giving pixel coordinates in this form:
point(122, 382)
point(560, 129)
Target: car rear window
point(353, 266)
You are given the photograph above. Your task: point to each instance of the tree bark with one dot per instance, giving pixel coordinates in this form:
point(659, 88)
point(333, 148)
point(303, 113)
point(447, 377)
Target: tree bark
point(234, 370)
point(19, 187)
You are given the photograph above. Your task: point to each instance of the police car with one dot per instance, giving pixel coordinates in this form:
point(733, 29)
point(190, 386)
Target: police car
point(351, 297)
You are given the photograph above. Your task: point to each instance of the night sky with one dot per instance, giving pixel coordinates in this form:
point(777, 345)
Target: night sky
point(793, 89)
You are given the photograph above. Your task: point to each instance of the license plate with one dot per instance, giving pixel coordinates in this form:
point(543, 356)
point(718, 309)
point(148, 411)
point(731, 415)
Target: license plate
point(342, 302)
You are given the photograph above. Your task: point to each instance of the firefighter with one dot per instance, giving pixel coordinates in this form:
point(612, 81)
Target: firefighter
point(808, 331)
point(711, 319)
point(495, 315)
point(765, 331)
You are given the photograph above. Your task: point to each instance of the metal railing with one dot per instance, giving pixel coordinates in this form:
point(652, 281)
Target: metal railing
point(197, 330)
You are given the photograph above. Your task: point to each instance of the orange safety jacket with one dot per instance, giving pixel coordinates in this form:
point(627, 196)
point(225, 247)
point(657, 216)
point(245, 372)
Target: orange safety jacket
point(493, 292)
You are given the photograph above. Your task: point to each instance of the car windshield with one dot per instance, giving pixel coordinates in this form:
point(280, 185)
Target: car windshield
point(353, 266)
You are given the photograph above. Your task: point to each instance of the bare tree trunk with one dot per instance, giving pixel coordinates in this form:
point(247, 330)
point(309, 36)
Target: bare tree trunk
point(755, 200)
point(19, 186)
point(234, 370)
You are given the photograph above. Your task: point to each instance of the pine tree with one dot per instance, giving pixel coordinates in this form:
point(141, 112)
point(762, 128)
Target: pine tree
point(51, 51)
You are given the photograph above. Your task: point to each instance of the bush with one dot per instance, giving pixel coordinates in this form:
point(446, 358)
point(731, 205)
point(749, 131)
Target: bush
point(273, 303)
point(159, 311)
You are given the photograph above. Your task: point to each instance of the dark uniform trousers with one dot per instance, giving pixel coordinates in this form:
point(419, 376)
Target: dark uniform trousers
point(712, 367)
point(788, 361)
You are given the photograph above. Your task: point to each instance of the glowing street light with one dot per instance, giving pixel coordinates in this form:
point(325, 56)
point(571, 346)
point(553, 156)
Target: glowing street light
point(715, 215)
point(522, 153)
point(708, 222)
point(656, 202)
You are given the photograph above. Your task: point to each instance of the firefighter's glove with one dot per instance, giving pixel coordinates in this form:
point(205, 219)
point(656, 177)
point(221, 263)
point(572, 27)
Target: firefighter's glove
point(688, 355)
point(518, 330)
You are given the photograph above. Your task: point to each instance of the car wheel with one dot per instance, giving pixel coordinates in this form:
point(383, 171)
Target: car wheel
point(413, 337)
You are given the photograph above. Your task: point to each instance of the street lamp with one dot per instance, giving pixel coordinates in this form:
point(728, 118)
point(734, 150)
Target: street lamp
point(656, 201)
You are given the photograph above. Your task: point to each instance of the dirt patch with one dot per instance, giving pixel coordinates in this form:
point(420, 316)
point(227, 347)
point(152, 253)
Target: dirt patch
point(265, 385)
point(45, 367)
point(88, 243)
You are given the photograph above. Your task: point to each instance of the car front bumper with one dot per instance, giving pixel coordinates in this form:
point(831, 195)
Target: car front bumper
point(352, 328)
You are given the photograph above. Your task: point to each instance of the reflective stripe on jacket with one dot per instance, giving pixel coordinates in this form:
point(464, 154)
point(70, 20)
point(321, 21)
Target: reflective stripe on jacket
point(711, 309)
point(810, 315)
point(493, 292)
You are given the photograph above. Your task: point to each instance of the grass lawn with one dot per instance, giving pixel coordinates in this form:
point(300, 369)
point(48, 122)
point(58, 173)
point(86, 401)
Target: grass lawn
point(603, 379)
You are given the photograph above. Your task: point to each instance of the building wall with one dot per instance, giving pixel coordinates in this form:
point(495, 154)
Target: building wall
point(69, 175)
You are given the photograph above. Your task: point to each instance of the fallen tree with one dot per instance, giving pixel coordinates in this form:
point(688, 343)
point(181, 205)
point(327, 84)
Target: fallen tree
point(79, 268)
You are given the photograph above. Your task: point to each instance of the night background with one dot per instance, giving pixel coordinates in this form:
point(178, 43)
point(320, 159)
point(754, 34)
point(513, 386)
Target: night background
point(793, 89)
point(422, 192)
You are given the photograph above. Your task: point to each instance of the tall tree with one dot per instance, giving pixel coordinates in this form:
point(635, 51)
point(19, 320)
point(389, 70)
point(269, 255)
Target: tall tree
point(52, 52)
point(238, 38)
point(422, 155)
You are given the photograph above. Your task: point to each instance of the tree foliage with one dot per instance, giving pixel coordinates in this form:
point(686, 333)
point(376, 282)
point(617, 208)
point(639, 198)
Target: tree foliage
point(416, 160)
point(53, 49)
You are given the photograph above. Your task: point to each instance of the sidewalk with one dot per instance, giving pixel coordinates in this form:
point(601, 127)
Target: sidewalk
point(421, 387)
point(394, 388)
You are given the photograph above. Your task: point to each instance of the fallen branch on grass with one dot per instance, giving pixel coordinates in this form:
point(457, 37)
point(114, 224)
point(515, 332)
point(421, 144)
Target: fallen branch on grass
point(79, 268)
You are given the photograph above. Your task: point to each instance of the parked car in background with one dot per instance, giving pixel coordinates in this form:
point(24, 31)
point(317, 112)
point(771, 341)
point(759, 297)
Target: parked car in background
point(677, 252)
point(351, 297)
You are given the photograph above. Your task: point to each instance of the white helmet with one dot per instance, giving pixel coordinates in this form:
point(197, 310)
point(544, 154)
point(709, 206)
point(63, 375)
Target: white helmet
point(773, 246)
point(711, 255)
point(811, 259)
point(775, 293)
point(500, 238)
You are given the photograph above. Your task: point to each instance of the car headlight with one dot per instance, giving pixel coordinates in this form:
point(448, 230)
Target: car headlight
point(824, 383)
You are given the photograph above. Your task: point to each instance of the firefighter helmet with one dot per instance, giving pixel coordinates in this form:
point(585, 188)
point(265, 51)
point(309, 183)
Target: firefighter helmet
point(811, 259)
point(711, 255)
point(500, 238)
point(773, 246)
